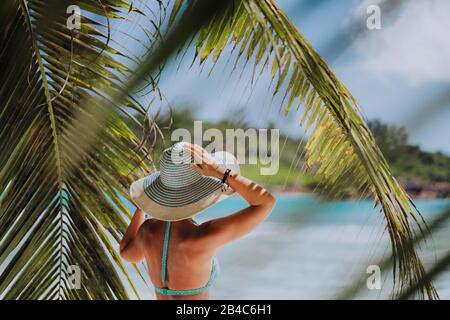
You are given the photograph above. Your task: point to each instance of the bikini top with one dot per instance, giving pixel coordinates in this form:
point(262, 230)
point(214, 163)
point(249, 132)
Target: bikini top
point(169, 292)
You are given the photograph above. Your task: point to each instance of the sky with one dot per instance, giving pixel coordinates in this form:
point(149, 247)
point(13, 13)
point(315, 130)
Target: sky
point(400, 73)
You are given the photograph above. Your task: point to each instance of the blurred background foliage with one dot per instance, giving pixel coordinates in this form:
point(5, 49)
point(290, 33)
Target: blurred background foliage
point(424, 174)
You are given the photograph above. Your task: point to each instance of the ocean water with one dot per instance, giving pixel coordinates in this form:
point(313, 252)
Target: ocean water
point(310, 249)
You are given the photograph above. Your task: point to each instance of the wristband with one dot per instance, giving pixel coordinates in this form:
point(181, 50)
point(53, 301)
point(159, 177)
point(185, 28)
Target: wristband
point(224, 180)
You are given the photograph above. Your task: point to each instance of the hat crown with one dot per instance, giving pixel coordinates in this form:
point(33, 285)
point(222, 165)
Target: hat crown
point(175, 167)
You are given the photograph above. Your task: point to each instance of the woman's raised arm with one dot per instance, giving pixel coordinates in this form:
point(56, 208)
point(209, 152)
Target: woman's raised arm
point(220, 231)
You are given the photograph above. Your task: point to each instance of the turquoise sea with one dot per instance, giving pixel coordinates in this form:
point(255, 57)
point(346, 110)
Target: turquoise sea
point(310, 249)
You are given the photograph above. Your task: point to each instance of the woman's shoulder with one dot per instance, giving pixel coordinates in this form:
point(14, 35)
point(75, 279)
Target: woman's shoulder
point(198, 239)
point(147, 228)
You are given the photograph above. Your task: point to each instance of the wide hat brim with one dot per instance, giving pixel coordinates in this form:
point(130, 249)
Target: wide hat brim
point(172, 204)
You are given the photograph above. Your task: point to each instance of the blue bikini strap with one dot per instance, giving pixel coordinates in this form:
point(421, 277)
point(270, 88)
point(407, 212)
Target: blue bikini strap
point(166, 291)
point(214, 272)
point(164, 253)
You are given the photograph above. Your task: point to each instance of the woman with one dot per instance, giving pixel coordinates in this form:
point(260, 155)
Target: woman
point(180, 254)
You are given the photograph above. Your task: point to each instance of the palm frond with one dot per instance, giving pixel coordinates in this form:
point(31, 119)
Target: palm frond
point(59, 202)
point(50, 218)
point(341, 149)
point(69, 154)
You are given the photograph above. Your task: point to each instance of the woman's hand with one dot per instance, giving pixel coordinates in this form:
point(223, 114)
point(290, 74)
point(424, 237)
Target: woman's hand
point(204, 163)
point(215, 233)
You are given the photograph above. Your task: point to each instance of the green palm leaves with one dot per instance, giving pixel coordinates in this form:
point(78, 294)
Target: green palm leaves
point(341, 148)
point(52, 218)
point(61, 90)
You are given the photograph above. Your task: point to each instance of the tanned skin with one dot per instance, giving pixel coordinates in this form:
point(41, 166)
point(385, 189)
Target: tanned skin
point(192, 247)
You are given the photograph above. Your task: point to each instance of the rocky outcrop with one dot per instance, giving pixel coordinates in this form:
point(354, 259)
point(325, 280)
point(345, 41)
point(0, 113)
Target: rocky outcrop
point(425, 190)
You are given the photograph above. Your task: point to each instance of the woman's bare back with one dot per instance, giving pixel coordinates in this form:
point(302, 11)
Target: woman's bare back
point(188, 263)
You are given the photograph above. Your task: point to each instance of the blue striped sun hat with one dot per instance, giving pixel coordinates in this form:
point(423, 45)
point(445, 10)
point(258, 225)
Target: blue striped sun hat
point(177, 191)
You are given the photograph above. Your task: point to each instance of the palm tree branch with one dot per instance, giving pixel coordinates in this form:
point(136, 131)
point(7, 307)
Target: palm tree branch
point(50, 217)
point(341, 148)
